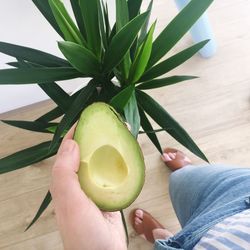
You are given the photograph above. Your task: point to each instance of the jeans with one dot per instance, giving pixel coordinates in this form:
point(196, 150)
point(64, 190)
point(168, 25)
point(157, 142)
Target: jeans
point(202, 196)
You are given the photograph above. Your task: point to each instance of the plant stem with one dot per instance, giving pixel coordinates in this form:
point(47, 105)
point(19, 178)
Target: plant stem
point(125, 226)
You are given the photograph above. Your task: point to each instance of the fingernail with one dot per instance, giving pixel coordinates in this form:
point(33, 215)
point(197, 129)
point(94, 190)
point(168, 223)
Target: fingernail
point(67, 146)
point(139, 213)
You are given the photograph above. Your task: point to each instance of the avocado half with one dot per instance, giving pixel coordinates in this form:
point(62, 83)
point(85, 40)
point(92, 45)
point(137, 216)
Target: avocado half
point(112, 169)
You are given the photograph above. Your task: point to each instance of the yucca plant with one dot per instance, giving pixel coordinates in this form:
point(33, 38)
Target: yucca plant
point(122, 61)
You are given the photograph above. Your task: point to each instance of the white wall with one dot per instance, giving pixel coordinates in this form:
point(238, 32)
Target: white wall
point(21, 23)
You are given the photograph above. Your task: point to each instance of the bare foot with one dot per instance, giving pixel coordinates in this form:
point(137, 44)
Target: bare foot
point(147, 227)
point(175, 159)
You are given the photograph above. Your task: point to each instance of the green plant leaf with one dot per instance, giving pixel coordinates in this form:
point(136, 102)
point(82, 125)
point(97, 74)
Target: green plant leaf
point(121, 99)
point(106, 20)
point(78, 16)
point(51, 115)
point(57, 111)
point(122, 15)
point(122, 18)
point(158, 83)
point(102, 24)
point(80, 58)
point(163, 119)
point(177, 28)
point(141, 60)
point(53, 130)
point(41, 209)
point(146, 125)
point(34, 75)
point(14, 64)
point(57, 94)
point(133, 49)
point(152, 131)
point(134, 7)
point(172, 62)
point(19, 64)
point(143, 33)
point(144, 29)
point(73, 112)
point(66, 24)
point(121, 42)
point(125, 226)
point(112, 34)
point(132, 115)
point(90, 16)
point(27, 157)
point(36, 126)
point(44, 8)
point(32, 55)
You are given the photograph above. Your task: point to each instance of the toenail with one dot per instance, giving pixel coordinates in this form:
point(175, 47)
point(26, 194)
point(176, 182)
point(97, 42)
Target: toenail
point(139, 213)
point(166, 157)
point(172, 156)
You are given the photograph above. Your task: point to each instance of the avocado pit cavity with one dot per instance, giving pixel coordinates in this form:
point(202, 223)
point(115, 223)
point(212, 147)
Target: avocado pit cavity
point(107, 168)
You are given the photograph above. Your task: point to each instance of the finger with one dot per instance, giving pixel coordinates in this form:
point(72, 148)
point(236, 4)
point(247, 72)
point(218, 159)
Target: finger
point(68, 156)
point(65, 182)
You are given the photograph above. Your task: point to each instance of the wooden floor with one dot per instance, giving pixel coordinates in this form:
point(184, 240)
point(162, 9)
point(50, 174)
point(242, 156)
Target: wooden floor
point(214, 109)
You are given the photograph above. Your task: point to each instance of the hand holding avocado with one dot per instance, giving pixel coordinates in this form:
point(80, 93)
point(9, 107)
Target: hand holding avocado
point(81, 224)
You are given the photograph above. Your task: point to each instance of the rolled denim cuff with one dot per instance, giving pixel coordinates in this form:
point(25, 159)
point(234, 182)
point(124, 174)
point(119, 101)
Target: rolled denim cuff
point(167, 244)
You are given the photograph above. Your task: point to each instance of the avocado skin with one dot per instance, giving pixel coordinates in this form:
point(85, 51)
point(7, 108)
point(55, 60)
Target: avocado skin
point(101, 125)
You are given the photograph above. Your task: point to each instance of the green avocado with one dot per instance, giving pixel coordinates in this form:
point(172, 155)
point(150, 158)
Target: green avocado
point(112, 169)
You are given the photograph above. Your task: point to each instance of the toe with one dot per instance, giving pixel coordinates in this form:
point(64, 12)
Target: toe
point(175, 159)
point(165, 157)
point(137, 221)
point(172, 155)
point(139, 213)
point(144, 224)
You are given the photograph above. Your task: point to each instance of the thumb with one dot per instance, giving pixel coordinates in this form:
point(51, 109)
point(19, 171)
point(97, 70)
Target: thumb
point(65, 185)
point(68, 156)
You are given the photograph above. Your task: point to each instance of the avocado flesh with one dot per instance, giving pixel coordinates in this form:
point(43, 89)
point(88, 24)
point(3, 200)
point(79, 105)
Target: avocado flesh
point(112, 169)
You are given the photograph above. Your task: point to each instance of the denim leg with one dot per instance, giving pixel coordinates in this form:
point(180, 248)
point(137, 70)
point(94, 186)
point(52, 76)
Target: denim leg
point(188, 185)
point(202, 196)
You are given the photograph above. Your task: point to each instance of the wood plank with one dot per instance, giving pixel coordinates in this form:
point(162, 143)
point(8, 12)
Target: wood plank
point(50, 241)
point(16, 213)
